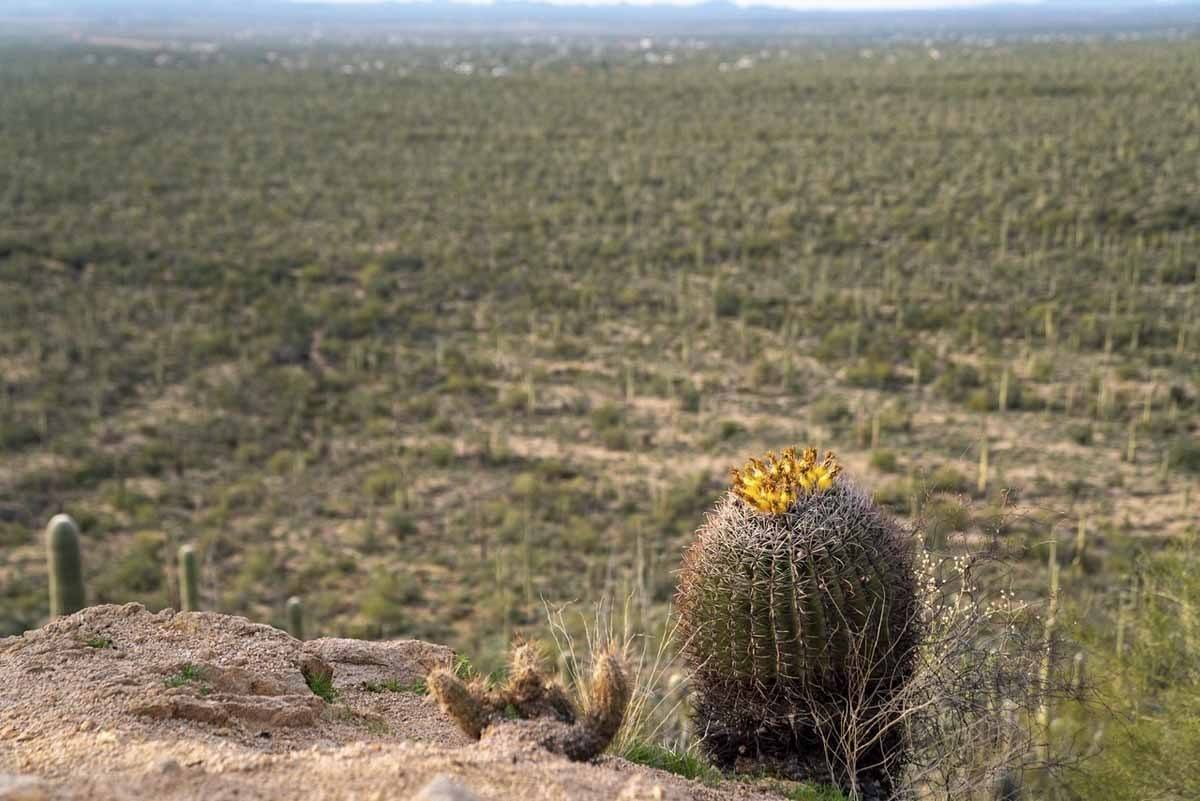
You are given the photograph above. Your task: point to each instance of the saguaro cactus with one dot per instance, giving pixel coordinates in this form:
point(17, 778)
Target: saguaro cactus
point(65, 566)
point(798, 597)
point(295, 617)
point(189, 579)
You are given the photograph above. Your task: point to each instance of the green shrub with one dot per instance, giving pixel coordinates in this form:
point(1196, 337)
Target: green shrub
point(831, 409)
point(383, 484)
point(1184, 454)
point(884, 461)
point(727, 301)
point(688, 764)
point(956, 381)
point(871, 373)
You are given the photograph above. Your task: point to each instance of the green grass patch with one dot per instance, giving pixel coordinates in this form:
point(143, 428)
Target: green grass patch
point(322, 685)
point(687, 764)
point(807, 792)
point(185, 675)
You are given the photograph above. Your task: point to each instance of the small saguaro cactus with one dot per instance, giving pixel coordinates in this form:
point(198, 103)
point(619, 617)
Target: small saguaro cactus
point(65, 566)
point(535, 707)
point(295, 617)
point(797, 603)
point(189, 579)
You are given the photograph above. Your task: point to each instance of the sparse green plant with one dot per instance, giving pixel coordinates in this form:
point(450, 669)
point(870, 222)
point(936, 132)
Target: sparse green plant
point(885, 461)
point(689, 763)
point(321, 684)
point(186, 674)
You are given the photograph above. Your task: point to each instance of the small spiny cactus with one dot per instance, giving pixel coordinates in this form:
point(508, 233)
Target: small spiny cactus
point(797, 594)
point(189, 579)
point(538, 706)
point(65, 566)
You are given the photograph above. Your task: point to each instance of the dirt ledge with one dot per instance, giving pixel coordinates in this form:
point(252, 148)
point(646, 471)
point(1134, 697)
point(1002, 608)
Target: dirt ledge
point(115, 703)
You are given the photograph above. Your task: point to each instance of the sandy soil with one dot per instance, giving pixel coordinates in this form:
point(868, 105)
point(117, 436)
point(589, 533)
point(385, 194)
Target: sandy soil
point(116, 703)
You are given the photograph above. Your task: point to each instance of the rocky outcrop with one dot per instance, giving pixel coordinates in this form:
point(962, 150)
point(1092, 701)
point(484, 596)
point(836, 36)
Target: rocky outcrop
point(357, 663)
point(116, 703)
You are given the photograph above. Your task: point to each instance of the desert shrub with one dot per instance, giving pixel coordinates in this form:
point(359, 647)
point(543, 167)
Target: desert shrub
point(957, 381)
point(136, 574)
point(689, 398)
point(1184, 454)
point(1079, 433)
point(727, 301)
point(385, 600)
point(947, 479)
point(831, 409)
point(871, 373)
point(1144, 664)
point(884, 461)
point(382, 484)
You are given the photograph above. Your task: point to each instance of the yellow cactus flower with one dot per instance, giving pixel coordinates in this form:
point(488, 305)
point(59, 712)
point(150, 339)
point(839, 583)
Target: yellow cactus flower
point(773, 484)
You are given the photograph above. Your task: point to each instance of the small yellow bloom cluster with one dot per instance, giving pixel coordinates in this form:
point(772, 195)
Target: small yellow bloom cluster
point(773, 484)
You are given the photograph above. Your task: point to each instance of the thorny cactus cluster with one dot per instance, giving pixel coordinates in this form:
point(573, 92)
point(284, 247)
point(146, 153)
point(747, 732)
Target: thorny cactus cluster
point(798, 600)
point(538, 705)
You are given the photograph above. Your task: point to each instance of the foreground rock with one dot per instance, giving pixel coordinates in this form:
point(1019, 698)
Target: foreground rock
point(115, 703)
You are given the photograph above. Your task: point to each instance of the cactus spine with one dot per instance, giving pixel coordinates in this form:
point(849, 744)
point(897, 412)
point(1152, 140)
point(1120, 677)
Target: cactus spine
point(295, 617)
point(65, 566)
point(797, 595)
point(189, 579)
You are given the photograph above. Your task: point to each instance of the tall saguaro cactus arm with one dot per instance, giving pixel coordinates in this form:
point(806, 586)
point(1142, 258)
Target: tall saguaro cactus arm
point(65, 566)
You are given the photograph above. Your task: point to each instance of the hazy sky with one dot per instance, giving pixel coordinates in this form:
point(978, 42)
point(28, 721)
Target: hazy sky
point(831, 5)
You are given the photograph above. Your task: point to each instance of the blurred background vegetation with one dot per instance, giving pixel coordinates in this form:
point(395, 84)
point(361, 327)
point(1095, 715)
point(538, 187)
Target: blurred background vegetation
point(433, 346)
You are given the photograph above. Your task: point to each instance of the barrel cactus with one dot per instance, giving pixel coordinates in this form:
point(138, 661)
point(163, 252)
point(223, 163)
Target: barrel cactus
point(797, 603)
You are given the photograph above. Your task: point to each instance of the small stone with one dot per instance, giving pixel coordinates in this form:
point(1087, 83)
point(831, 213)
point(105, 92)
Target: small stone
point(106, 737)
point(169, 766)
point(443, 788)
point(22, 788)
point(639, 789)
point(355, 662)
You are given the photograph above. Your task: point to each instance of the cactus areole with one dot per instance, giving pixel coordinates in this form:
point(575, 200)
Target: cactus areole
point(797, 595)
